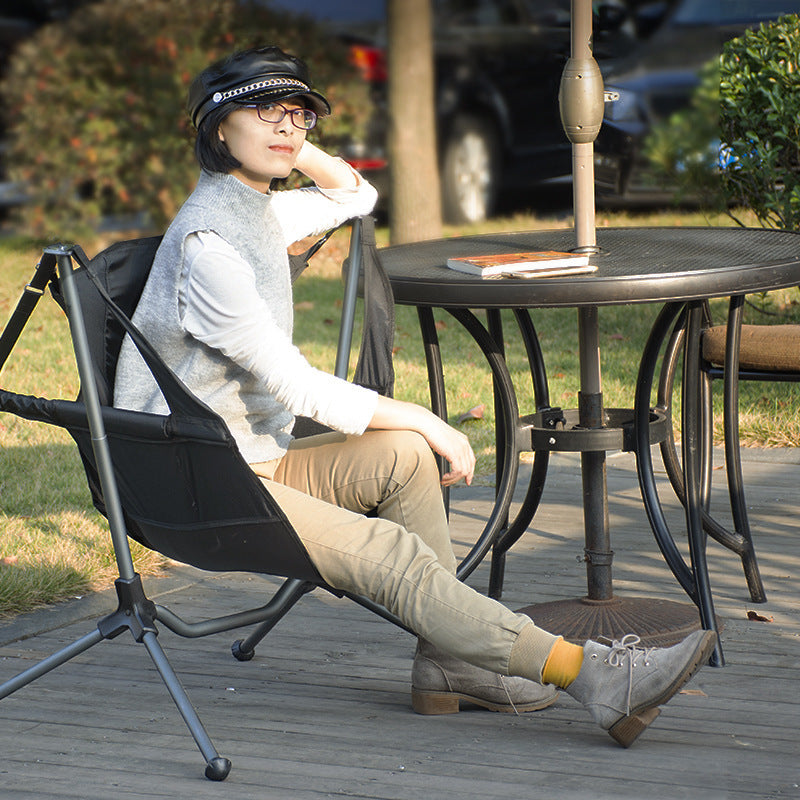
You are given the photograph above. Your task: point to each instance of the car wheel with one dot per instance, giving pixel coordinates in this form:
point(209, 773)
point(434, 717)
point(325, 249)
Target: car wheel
point(470, 171)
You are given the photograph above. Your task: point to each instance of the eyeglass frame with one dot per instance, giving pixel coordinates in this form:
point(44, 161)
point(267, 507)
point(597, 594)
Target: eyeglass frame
point(290, 111)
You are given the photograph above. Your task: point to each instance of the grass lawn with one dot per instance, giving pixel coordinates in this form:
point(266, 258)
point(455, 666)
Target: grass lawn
point(53, 545)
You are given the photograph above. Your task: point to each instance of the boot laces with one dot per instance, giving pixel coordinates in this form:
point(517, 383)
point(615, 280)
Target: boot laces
point(625, 649)
point(508, 694)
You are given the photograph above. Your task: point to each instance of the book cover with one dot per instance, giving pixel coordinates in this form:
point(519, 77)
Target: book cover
point(538, 263)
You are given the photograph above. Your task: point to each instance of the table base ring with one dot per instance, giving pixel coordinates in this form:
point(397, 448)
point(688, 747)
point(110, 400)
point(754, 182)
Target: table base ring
point(536, 431)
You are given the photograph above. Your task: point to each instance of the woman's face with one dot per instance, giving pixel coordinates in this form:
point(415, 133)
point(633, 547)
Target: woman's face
point(266, 150)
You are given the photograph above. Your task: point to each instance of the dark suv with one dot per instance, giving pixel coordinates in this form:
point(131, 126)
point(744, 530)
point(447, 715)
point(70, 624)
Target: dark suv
point(498, 66)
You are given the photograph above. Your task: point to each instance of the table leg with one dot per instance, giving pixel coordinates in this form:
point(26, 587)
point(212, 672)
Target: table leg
point(508, 410)
point(541, 458)
point(694, 580)
point(433, 362)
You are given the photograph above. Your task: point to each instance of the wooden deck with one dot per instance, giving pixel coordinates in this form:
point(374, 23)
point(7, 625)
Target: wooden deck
point(323, 710)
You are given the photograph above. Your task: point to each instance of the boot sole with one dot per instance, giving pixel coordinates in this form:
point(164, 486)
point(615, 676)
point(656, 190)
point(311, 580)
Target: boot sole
point(432, 703)
point(628, 729)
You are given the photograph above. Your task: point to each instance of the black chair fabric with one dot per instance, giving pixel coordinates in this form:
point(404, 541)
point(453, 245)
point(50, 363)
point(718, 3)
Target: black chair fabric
point(184, 488)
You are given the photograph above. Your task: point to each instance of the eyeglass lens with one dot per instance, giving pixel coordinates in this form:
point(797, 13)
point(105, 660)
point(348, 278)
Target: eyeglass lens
point(303, 118)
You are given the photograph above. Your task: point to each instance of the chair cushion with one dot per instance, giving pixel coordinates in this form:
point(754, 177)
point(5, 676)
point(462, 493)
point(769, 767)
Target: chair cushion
point(769, 348)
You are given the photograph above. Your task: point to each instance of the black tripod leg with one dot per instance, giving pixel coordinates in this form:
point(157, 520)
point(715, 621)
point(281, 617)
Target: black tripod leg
point(217, 768)
point(50, 663)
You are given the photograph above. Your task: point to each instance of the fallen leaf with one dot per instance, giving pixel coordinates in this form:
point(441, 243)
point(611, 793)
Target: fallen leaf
point(693, 692)
point(476, 412)
point(754, 615)
point(9, 559)
point(440, 325)
point(617, 336)
point(304, 305)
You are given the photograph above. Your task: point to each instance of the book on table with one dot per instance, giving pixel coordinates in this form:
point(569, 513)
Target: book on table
point(539, 263)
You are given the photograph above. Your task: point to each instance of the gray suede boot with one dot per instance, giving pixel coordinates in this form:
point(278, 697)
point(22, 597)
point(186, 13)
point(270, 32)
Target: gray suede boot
point(439, 682)
point(622, 685)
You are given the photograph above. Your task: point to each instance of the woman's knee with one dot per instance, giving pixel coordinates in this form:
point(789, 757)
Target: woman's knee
point(409, 451)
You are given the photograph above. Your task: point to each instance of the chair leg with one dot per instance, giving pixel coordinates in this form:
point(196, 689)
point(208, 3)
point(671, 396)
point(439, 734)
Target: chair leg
point(217, 768)
point(733, 459)
point(50, 663)
point(285, 598)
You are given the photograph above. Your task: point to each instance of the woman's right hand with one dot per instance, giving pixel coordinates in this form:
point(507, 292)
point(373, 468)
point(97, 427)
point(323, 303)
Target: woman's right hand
point(442, 438)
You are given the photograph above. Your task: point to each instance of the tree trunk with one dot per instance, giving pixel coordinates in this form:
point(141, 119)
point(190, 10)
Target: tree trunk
point(415, 208)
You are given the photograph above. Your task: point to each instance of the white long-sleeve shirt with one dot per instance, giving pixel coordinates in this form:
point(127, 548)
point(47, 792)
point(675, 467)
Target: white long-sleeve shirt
point(218, 308)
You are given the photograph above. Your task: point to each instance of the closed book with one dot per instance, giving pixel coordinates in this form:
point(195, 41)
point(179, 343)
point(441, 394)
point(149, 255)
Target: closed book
point(539, 263)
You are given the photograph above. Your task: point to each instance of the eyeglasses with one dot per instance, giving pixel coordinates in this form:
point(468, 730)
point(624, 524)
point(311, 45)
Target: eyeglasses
point(303, 118)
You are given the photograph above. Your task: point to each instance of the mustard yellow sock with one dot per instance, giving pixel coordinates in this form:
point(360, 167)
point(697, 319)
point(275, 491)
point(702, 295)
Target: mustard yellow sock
point(563, 664)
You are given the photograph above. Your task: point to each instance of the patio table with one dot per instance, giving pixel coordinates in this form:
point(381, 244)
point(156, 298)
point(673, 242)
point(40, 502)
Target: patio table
point(678, 267)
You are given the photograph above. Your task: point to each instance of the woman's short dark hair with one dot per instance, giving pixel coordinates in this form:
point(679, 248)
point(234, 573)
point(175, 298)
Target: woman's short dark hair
point(212, 153)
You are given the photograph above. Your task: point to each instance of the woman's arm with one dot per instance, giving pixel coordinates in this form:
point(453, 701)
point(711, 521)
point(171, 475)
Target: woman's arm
point(340, 194)
point(443, 439)
point(327, 172)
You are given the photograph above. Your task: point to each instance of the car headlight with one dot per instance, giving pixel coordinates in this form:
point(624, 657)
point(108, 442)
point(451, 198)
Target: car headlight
point(623, 109)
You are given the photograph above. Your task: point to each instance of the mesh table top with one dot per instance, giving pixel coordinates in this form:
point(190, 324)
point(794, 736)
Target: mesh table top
point(635, 265)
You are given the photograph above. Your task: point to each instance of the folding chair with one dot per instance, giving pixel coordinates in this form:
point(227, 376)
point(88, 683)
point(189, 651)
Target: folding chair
point(175, 483)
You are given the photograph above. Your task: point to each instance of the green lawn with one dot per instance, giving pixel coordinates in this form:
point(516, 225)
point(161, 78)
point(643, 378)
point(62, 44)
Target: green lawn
point(52, 543)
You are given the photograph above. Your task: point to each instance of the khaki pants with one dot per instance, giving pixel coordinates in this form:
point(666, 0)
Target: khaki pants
point(401, 559)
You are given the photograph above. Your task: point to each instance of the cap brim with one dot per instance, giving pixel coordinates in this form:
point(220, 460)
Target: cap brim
point(315, 101)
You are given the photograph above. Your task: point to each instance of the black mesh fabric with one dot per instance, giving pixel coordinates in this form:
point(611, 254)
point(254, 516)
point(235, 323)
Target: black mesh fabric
point(184, 488)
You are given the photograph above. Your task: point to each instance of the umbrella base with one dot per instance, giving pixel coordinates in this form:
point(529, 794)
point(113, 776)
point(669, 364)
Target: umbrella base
point(658, 623)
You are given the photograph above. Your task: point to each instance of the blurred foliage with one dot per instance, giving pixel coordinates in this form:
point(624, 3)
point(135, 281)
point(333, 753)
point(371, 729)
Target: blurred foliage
point(760, 122)
point(684, 150)
point(96, 104)
point(736, 145)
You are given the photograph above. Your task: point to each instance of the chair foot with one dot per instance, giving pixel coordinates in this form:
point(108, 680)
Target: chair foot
point(218, 768)
point(239, 654)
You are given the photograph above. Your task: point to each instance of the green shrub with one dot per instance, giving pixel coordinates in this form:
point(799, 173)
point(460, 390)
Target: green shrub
point(684, 150)
point(96, 104)
point(744, 117)
point(760, 121)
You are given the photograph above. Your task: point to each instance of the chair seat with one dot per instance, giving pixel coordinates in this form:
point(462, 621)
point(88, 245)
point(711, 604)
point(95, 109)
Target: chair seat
point(767, 348)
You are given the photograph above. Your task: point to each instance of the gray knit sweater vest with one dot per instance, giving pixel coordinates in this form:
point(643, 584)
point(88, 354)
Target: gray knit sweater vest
point(243, 217)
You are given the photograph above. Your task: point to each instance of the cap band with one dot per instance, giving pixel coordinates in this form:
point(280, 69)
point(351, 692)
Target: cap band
point(282, 83)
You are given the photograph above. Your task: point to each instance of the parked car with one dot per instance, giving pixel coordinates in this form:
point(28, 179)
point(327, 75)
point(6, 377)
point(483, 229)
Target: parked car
point(658, 79)
point(498, 66)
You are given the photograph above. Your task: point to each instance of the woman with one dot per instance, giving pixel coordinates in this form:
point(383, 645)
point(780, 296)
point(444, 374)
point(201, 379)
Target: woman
point(218, 308)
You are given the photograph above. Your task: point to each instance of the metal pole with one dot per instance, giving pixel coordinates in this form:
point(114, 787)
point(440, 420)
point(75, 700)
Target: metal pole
point(349, 302)
point(581, 105)
point(102, 452)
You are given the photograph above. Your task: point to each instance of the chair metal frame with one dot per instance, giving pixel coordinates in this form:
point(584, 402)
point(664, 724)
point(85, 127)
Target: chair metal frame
point(135, 612)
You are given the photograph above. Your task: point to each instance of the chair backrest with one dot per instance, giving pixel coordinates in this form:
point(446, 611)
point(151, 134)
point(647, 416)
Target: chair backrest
point(184, 488)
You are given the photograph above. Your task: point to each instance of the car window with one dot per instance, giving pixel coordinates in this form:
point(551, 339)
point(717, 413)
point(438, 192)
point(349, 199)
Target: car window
point(477, 12)
point(729, 12)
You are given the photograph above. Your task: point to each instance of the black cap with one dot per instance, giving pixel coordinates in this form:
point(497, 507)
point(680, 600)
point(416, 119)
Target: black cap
point(266, 73)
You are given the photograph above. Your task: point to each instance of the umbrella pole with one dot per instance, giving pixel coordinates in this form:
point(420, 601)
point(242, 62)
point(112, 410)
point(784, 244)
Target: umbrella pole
point(581, 103)
point(600, 613)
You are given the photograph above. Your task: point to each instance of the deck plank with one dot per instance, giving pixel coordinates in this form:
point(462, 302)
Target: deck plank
point(323, 710)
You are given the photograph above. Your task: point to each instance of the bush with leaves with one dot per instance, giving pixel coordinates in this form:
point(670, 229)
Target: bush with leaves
point(683, 151)
point(96, 104)
point(738, 144)
point(760, 122)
